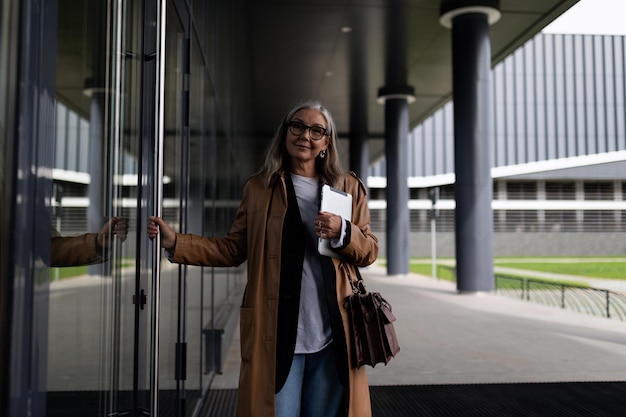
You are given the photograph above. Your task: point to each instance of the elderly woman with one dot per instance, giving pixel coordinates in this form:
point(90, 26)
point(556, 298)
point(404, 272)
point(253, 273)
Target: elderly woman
point(295, 345)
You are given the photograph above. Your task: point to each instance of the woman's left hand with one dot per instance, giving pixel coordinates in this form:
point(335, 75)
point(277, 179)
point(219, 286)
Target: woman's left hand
point(327, 225)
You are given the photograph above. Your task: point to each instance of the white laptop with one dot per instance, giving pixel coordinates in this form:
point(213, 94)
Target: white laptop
point(337, 202)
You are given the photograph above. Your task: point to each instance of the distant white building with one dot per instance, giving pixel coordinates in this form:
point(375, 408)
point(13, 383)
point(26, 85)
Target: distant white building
point(558, 154)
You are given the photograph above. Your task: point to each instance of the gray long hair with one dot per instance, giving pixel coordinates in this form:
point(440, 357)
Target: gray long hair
point(276, 157)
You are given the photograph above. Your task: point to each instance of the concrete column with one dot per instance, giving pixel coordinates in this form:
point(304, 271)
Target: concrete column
point(617, 196)
point(501, 195)
point(580, 196)
point(471, 73)
point(541, 214)
point(359, 145)
point(396, 96)
point(359, 154)
point(398, 227)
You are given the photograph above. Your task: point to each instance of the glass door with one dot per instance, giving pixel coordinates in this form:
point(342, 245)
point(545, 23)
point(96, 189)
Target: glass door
point(100, 276)
point(173, 278)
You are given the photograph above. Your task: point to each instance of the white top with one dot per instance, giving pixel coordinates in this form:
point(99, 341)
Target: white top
point(314, 332)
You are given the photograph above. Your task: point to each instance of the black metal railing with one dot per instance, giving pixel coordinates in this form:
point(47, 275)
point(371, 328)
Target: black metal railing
point(593, 301)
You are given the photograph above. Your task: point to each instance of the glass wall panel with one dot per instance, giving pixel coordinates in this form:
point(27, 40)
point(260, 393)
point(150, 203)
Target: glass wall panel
point(8, 66)
point(565, 190)
point(173, 277)
point(90, 156)
point(196, 282)
point(599, 190)
point(96, 307)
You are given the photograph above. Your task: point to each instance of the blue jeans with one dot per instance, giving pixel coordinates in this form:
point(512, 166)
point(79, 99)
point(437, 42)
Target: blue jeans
point(312, 388)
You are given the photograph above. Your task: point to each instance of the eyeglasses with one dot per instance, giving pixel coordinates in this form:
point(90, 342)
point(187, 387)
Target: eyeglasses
point(298, 128)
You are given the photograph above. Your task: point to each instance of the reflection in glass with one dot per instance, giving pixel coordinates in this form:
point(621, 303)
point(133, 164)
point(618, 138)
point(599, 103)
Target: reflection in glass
point(101, 310)
point(173, 280)
point(91, 357)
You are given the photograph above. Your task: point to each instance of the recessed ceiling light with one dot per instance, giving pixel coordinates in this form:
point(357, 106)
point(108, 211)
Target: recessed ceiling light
point(346, 29)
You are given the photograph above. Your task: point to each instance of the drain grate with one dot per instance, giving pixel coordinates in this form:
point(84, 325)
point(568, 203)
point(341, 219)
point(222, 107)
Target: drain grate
point(572, 399)
point(569, 399)
point(221, 403)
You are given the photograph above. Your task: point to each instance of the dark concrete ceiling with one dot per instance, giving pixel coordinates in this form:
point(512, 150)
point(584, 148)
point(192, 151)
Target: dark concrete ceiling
point(299, 51)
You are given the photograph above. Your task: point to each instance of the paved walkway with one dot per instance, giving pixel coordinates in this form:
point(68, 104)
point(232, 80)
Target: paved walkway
point(452, 338)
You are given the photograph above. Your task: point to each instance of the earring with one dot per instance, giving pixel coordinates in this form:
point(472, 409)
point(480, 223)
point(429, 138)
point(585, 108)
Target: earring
point(323, 153)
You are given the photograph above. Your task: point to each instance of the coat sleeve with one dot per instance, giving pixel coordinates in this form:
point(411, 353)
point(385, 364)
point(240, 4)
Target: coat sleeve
point(74, 250)
point(362, 245)
point(230, 250)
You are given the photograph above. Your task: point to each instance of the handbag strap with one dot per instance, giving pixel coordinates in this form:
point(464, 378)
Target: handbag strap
point(358, 286)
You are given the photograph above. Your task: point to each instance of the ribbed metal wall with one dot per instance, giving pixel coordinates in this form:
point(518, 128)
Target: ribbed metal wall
point(557, 96)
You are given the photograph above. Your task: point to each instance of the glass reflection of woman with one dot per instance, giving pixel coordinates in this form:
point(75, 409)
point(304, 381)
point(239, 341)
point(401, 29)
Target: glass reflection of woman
point(88, 248)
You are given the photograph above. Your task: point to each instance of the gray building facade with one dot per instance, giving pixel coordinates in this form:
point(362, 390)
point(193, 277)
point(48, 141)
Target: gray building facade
point(558, 152)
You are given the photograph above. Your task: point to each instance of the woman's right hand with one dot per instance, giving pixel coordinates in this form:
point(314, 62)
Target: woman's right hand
point(157, 225)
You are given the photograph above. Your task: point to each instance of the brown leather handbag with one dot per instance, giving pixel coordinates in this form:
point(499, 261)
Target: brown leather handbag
point(371, 326)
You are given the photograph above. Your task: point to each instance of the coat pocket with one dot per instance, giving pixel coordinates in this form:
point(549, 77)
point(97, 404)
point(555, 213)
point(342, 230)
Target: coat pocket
point(247, 333)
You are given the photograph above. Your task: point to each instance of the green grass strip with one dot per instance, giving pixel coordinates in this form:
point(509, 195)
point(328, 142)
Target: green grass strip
point(444, 272)
point(67, 272)
point(609, 270)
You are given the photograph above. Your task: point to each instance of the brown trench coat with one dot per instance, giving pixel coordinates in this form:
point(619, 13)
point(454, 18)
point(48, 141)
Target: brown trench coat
point(255, 236)
point(74, 250)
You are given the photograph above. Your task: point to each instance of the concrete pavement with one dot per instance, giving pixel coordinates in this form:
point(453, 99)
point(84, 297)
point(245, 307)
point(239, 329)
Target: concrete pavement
point(451, 338)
